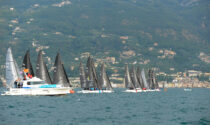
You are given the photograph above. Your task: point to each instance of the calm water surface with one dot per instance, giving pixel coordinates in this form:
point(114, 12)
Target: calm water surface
point(173, 107)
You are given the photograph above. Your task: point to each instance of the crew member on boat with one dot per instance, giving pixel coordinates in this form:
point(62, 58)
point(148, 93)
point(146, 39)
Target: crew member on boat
point(18, 83)
point(27, 74)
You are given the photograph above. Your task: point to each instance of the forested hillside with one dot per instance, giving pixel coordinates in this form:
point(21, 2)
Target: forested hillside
point(171, 35)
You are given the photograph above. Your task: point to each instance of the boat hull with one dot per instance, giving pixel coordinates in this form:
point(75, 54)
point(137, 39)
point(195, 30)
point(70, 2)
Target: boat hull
point(38, 91)
point(188, 89)
point(95, 91)
point(139, 90)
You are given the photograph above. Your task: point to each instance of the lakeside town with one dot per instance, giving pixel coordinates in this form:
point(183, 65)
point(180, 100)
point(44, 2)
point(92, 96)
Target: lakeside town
point(188, 79)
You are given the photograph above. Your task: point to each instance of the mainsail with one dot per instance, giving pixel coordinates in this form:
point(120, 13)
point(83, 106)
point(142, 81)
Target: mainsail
point(95, 76)
point(139, 77)
point(41, 69)
point(12, 72)
point(104, 80)
point(83, 79)
point(128, 82)
point(134, 78)
point(59, 73)
point(156, 85)
point(89, 74)
point(144, 79)
point(150, 79)
point(69, 83)
point(27, 63)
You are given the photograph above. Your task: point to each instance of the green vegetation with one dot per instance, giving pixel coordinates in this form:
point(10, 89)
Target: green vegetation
point(96, 26)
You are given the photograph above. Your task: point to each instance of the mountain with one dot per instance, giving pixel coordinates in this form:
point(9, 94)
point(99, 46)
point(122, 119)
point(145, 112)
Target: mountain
point(169, 35)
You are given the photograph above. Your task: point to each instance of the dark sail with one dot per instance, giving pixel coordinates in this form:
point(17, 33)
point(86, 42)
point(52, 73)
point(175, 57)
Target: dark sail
point(89, 74)
point(104, 80)
point(127, 80)
point(139, 77)
point(27, 63)
point(88, 62)
point(59, 73)
point(41, 69)
point(68, 82)
point(155, 81)
point(83, 80)
point(150, 79)
point(95, 76)
point(134, 77)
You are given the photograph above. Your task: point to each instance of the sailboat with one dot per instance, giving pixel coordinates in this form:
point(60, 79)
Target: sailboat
point(130, 87)
point(41, 69)
point(145, 83)
point(27, 85)
point(135, 80)
point(59, 73)
point(153, 84)
point(104, 81)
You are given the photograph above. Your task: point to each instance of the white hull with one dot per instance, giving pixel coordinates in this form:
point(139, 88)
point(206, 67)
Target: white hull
point(139, 90)
point(38, 91)
point(95, 91)
point(133, 90)
point(187, 89)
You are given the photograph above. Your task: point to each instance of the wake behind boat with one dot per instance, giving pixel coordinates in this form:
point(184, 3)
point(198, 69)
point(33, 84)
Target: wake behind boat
point(26, 83)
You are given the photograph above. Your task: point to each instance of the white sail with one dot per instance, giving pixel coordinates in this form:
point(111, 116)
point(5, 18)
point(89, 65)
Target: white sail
point(12, 72)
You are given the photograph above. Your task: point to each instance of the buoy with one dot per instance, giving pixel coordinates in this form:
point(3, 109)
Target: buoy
point(72, 91)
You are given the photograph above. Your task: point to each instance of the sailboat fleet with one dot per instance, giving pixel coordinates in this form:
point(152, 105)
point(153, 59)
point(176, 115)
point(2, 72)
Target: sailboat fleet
point(27, 82)
point(135, 81)
point(91, 82)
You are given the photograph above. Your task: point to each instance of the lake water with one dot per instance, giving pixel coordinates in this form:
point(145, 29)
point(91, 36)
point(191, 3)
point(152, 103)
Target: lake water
point(174, 107)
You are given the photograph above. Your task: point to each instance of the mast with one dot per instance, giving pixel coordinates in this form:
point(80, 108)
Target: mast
point(128, 82)
point(27, 63)
point(83, 80)
point(12, 72)
point(144, 79)
point(104, 80)
point(59, 73)
point(41, 69)
point(134, 77)
point(139, 77)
